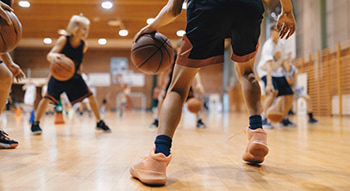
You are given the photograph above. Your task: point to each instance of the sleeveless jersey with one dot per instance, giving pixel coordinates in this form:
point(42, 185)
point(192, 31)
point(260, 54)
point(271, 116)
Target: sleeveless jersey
point(76, 54)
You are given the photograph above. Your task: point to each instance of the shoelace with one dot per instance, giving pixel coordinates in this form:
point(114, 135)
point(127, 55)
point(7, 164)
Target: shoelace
point(4, 133)
point(238, 133)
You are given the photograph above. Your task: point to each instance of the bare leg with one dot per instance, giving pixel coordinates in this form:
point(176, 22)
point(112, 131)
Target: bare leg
point(6, 81)
point(175, 98)
point(40, 111)
point(94, 107)
point(250, 86)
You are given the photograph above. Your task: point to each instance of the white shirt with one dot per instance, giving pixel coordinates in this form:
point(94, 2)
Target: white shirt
point(30, 93)
point(274, 52)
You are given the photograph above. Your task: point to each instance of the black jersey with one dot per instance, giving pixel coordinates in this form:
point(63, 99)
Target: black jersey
point(76, 54)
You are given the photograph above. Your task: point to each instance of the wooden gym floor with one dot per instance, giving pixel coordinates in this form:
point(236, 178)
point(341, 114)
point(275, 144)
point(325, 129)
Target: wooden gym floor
point(75, 156)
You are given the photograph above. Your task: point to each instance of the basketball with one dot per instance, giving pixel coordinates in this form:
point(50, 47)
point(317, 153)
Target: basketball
point(63, 69)
point(10, 34)
point(274, 115)
point(152, 53)
point(194, 105)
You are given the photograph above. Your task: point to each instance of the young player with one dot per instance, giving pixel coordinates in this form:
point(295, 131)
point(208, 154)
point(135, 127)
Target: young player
point(208, 24)
point(74, 47)
point(8, 70)
point(270, 70)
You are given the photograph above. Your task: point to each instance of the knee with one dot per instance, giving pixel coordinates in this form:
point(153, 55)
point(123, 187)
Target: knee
point(6, 78)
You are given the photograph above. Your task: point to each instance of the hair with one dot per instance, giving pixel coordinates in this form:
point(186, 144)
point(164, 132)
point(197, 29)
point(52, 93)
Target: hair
point(7, 2)
point(75, 22)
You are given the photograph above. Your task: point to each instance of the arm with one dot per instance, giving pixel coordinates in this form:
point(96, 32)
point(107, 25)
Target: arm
point(167, 15)
point(269, 86)
point(54, 54)
point(84, 51)
point(14, 68)
point(286, 22)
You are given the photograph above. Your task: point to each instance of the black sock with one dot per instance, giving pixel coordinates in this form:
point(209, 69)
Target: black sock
point(163, 144)
point(255, 122)
point(310, 115)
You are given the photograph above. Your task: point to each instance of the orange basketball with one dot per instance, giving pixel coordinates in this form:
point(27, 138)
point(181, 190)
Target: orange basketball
point(194, 105)
point(152, 53)
point(63, 69)
point(10, 35)
point(274, 115)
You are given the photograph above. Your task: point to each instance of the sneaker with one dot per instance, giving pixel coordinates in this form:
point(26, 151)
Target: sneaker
point(101, 125)
point(266, 124)
point(6, 142)
point(155, 123)
point(312, 120)
point(287, 123)
point(200, 124)
point(151, 169)
point(36, 130)
point(257, 146)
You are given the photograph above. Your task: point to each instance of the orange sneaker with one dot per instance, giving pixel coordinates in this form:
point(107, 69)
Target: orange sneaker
point(257, 146)
point(151, 169)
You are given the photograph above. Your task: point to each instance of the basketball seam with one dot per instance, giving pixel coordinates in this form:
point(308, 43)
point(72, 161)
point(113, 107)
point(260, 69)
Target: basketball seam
point(4, 41)
point(149, 56)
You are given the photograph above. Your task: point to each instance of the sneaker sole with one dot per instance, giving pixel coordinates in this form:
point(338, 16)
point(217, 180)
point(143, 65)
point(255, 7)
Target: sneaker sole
point(150, 181)
point(8, 146)
point(106, 131)
point(256, 153)
point(36, 133)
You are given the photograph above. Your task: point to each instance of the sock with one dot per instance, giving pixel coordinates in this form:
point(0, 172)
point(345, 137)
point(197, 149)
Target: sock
point(310, 115)
point(36, 122)
point(263, 116)
point(163, 144)
point(255, 122)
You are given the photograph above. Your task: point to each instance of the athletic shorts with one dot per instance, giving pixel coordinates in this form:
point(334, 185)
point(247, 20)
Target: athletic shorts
point(209, 22)
point(75, 88)
point(280, 84)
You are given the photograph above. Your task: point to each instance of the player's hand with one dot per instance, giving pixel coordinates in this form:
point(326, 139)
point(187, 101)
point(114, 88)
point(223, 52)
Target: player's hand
point(55, 57)
point(269, 89)
point(286, 25)
point(145, 30)
point(16, 71)
point(3, 14)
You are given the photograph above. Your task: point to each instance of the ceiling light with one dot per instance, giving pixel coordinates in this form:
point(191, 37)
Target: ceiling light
point(24, 4)
point(184, 5)
point(180, 33)
point(150, 20)
point(47, 40)
point(123, 32)
point(102, 41)
point(106, 4)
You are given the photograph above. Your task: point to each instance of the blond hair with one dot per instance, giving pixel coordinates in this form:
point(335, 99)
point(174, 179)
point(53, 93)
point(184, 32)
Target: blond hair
point(75, 22)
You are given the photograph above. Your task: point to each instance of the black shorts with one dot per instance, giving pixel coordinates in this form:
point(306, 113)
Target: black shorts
point(209, 22)
point(75, 88)
point(280, 84)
